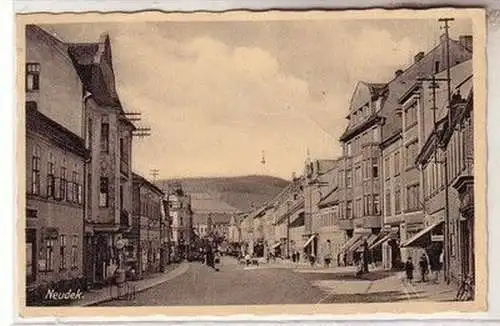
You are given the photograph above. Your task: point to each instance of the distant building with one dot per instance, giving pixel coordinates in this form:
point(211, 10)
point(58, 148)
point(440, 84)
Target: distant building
point(146, 242)
point(55, 160)
point(331, 238)
point(181, 215)
point(316, 182)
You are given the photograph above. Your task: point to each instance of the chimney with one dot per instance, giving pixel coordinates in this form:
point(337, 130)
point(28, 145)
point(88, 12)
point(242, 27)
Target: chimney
point(398, 72)
point(419, 56)
point(466, 41)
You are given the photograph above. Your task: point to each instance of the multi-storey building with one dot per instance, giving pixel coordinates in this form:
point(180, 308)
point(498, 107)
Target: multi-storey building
point(331, 238)
point(108, 134)
point(401, 141)
point(445, 162)
point(145, 249)
point(234, 236)
point(55, 159)
point(181, 215)
point(316, 182)
point(289, 219)
point(360, 186)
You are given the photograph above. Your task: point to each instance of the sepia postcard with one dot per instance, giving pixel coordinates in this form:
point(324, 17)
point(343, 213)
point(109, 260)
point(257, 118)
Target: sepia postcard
point(264, 163)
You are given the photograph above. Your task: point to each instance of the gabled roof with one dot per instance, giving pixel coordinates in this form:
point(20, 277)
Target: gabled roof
point(93, 62)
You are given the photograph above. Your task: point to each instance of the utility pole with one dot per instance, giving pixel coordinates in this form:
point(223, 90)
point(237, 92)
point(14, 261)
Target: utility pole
point(445, 154)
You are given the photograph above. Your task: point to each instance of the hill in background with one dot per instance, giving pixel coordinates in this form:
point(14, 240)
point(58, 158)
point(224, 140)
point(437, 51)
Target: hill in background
point(229, 194)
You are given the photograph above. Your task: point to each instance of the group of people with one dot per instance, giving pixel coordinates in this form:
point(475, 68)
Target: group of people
point(435, 264)
point(209, 254)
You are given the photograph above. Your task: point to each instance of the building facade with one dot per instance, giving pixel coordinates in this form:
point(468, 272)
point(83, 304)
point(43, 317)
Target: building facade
point(360, 187)
point(146, 243)
point(402, 138)
point(108, 133)
point(446, 165)
point(181, 215)
point(55, 162)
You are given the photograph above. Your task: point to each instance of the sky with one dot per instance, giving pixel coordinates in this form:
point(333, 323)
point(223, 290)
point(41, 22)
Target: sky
point(218, 94)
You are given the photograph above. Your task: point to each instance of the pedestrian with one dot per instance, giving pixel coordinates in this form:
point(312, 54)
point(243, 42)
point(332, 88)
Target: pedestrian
point(441, 264)
point(293, 257)
point(211, 258)
point(435, 265)
point(409, 270)
point(312, 259)
point(424, 267)
point(298, 257)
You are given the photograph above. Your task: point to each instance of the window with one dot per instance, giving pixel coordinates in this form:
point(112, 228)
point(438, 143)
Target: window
point(74, 251)
point(411, 115)
point(89, 134)
point(358, 176)
point(103, 192)
point(411, 154)
point(349, 178)
point(376, 135)
point(32, 77)
point(387, 168)
point(397, 201)
point(349, 149)
point(51, 180)
point(388, 203)
point(368, 205)
point(62, 252)
point(63, 184)
point(436, 67)
point(121, 196)
point(375, 168)
point(359, 208)
point(35, 171)
point(47, 264)
point(397, 162)
point(348, 209)
point(105, 137)
point(413, 197)
point(376, 204)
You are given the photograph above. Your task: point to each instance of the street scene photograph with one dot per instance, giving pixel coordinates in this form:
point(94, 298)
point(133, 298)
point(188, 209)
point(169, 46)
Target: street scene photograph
point(229, 162)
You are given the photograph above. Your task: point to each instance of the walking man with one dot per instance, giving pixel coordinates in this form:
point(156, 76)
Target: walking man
point(409, 270)
point(424, 267)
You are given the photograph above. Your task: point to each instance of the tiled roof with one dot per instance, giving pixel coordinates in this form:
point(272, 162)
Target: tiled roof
point(39, 123)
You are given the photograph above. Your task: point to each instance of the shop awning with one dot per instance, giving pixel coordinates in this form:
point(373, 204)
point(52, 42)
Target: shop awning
point(410, 242)
point(371, 239)
point(350, 242)
point(386, 237)
point(277, 244)
point(309, 240)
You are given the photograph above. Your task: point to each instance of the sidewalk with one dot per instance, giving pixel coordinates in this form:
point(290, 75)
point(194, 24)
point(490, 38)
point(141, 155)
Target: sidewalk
point(433, 291)
point(93, 297)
